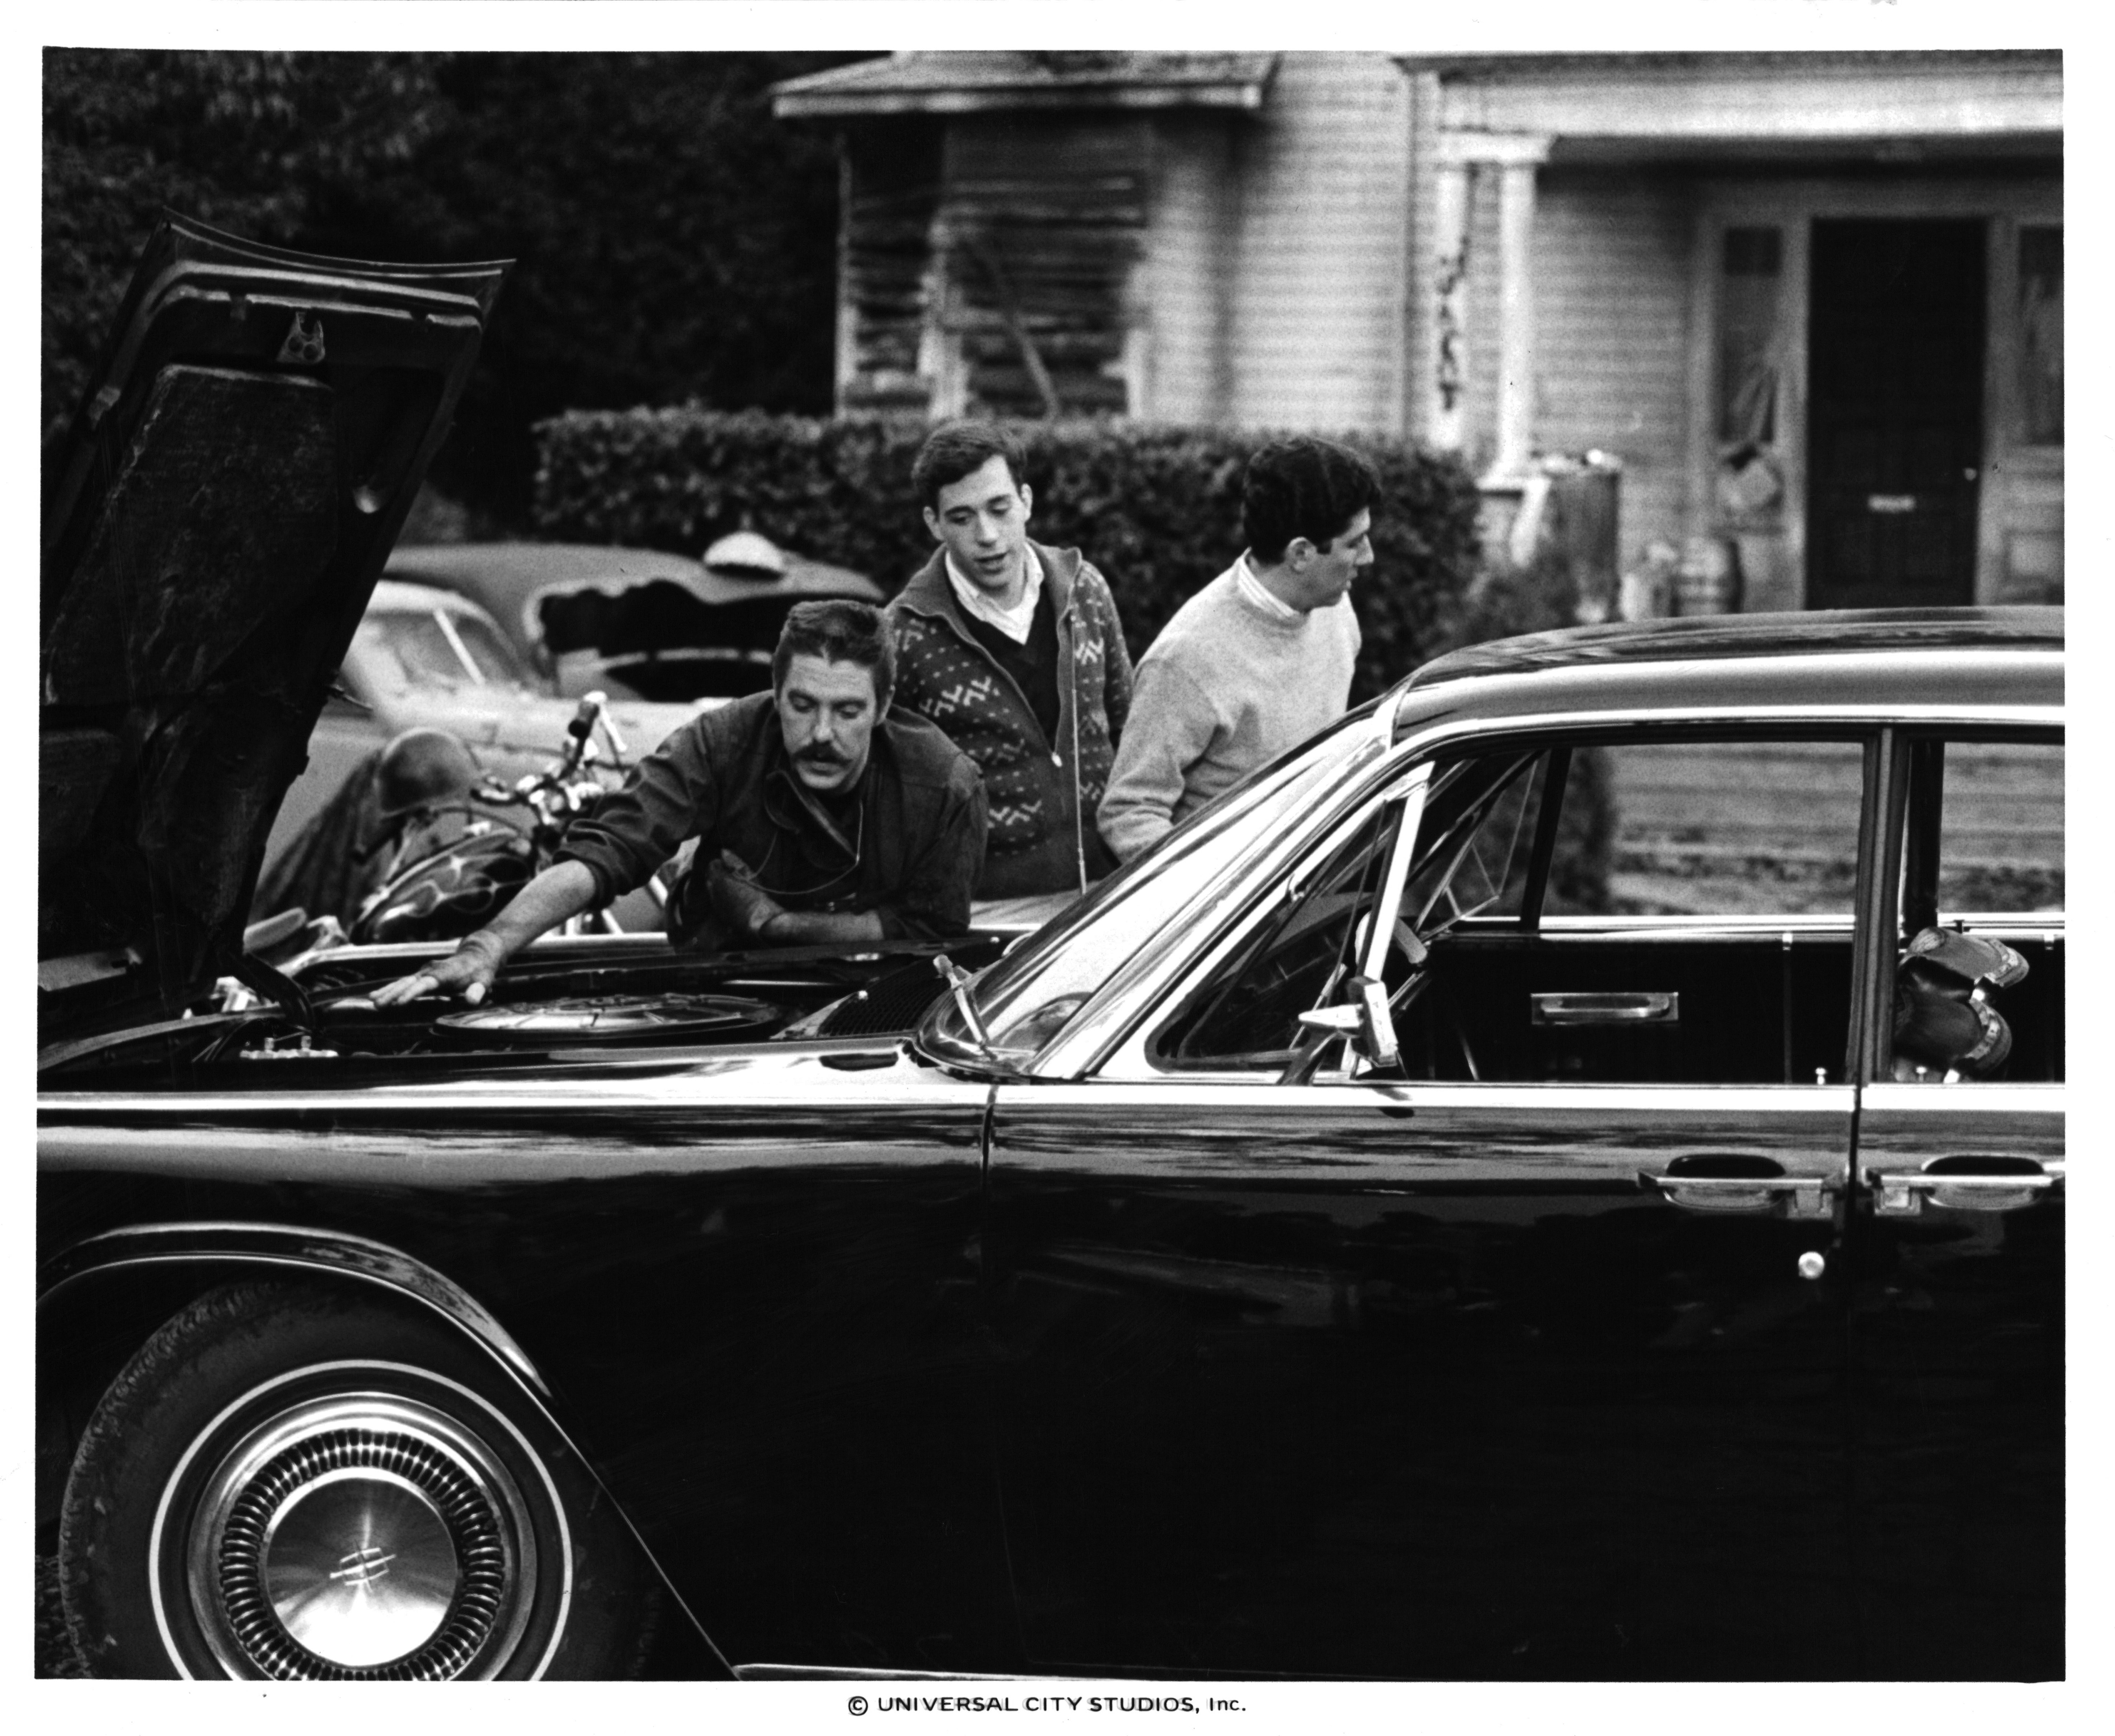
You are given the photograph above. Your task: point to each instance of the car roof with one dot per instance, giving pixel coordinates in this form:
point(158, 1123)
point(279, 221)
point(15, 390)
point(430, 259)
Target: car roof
point(531, 566)
point(507, 578)
point(1844, 631)
point(1898, 659)
point(515, 581)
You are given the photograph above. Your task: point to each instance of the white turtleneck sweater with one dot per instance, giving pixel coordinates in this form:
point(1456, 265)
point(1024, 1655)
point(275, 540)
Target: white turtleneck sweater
point(1227, 686)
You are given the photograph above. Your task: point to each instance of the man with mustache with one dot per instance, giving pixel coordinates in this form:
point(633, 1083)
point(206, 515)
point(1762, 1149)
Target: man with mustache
point(810, 815)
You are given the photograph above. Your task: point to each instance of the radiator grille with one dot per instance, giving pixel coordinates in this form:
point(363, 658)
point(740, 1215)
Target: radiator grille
point(892, 1003)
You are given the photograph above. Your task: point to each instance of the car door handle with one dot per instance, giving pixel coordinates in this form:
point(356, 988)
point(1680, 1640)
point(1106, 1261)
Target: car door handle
point(1786, 1196)
point(1902, 1193)
point(1605, 1008)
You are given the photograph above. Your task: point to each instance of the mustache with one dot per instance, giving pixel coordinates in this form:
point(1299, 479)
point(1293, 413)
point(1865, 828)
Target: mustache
point(823, 756)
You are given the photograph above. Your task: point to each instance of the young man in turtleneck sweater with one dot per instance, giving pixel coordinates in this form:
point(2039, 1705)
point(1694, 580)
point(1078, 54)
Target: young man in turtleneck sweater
point(1259, 659)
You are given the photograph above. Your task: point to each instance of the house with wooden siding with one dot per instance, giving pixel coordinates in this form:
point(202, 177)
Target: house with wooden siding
point(1811, 303)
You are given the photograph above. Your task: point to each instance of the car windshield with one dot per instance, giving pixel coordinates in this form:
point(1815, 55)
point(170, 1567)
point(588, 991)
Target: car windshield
point(1029, 996)
point(436, 648)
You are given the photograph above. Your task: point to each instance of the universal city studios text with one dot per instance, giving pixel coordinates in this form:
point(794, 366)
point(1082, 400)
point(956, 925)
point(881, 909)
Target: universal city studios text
point(1049, 1703)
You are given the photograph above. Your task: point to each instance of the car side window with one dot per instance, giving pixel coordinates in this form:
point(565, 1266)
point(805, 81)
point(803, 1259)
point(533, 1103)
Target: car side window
point(1682, 917)
point(1474, 841)
point(2001, 830)
point(1694, 926)
point(1709, 828)
point(1980, 975)
point(1249, 1015)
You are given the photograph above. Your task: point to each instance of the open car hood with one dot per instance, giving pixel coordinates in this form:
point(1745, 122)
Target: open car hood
point(214, 517)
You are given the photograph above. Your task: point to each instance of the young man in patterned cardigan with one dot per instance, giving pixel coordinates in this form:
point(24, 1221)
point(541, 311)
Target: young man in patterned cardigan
point(1016, 651)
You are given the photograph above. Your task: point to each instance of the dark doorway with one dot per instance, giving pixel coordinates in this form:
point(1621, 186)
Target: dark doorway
point(1895, 413)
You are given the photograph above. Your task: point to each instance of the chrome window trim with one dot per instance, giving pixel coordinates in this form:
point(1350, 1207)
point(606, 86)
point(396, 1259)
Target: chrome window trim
point(1415, 788)
point(1821, 925)
point(1940, 663)
point(1672, 927)
point(1968, 1097)
point(1107, 1034)
point(1936, 714)
point(1186, 1091)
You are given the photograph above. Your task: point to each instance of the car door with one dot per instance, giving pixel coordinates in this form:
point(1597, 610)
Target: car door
point(1520, 1355)
point(1957, 1312)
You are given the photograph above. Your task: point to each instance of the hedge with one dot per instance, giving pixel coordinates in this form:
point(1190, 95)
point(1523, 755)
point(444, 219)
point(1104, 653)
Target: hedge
point(1156, 509)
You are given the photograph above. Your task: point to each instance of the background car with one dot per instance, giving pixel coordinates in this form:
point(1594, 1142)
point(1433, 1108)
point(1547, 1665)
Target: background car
point(1384, 1230)
point(494, 641)
point(638, 623)
point(422, 656)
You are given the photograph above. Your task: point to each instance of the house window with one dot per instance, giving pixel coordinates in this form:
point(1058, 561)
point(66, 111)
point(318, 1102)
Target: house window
point(1040, 230)
point(1748, 336)
point(1750, 484)
point(2041, 333)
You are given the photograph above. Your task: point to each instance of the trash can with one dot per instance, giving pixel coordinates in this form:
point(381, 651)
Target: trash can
point(1708, 582)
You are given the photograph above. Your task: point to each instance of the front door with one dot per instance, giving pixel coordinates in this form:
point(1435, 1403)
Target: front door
point(1523, 1358)
point(1895, 429)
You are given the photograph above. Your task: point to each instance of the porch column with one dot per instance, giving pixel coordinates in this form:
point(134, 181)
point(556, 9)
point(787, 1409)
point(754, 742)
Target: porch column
point(1517, 156)
point(1443, 418)
point(940, 362)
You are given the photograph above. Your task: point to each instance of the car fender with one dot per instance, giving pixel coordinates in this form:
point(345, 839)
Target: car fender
point(285, 1245)
point(68, 1276)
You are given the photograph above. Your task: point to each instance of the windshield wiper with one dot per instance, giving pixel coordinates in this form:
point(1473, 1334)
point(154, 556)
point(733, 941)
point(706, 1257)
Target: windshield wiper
point(959, 979)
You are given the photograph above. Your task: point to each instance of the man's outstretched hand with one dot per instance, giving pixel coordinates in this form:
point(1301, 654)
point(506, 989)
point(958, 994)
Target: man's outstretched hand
point(562, 890)
point(468, 971)
point(736, 899)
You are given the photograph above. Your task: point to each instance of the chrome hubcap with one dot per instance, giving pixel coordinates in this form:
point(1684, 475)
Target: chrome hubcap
point(361, 1535)
point(380, 1600)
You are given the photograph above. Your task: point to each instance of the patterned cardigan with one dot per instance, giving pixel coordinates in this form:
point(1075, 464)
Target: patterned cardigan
point(1043, 793)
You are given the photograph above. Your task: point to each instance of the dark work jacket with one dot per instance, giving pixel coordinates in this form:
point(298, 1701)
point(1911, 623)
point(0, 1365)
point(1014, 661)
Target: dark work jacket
point(725, 779)
point(1043, 792)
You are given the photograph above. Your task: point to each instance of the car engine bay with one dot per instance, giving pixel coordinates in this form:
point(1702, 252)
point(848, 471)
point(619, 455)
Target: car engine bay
point(574, 999)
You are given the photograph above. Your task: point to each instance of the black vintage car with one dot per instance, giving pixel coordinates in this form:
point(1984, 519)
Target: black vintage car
point(1560, 1175)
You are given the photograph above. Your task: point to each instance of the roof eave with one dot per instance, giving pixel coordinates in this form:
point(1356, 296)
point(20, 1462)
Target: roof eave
point(1483, 61)
point(1244, 95)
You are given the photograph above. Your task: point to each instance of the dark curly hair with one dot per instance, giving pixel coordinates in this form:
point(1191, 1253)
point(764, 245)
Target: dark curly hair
point(838, 631)
point(1303, 487)
point(955, 449)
